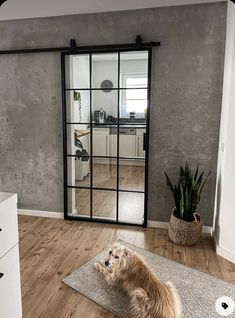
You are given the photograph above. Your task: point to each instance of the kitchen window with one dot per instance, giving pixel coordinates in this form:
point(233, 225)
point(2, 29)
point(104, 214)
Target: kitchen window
point(134, 98)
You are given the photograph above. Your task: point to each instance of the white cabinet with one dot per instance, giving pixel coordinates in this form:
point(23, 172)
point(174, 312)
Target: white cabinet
point(127, 146)
point(8, 223)
point(113, 145)
point(10, 301)
point(101, 142)
point(10, 291)
point(105, 144)
point(140, 142)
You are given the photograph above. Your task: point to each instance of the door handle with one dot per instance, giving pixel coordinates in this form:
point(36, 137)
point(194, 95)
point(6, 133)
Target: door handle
point(144, 141)
point(1, 275)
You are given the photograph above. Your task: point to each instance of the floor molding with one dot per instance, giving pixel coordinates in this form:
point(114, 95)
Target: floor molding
point(225, 254)
point(44, 214)
point(165, 225)
point(222, 252)
point(60, 215)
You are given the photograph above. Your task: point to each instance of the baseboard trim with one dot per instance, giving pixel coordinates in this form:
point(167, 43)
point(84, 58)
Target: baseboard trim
point(222, 252)
point(158, 225)
point(165, 225)
point(44, 214)
point(225, 254)
point(60, 215)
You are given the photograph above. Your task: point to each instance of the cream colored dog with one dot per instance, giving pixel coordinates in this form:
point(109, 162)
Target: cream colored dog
point(149, 297)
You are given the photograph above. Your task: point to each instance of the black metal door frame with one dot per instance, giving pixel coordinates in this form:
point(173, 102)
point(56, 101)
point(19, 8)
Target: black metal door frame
point(74, 49)
point(104, 50)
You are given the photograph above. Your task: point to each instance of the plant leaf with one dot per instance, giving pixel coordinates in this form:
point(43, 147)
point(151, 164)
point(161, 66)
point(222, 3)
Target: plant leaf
point(202, 186)
point(196, 172)
point(169, 184)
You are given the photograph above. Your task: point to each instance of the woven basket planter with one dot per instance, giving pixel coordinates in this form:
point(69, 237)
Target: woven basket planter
point(184, 233)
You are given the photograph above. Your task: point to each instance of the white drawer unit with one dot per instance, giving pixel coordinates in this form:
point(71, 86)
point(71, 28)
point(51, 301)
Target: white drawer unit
point(10, 290)
point(10, 301)
point(8, 223)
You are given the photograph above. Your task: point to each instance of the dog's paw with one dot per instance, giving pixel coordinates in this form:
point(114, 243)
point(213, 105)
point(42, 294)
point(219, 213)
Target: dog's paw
point(96, 265)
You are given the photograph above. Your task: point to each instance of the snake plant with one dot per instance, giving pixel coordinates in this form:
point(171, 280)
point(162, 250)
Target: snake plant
point(187, 193)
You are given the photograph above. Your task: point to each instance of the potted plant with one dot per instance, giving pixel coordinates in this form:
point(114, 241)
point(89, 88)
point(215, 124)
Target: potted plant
point(185, 224)
point(82, 161)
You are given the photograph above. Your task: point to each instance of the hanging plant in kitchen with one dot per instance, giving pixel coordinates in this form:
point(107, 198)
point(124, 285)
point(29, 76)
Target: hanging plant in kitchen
point(77, 98)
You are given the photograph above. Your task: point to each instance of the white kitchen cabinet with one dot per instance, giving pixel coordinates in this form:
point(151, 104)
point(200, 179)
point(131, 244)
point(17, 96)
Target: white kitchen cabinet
point(113, 145)
point(141, 152)
point(127, 146)
point(10, 290)
point(100, 142)
point(105, 144)
point(140, 142)
point(100, 145)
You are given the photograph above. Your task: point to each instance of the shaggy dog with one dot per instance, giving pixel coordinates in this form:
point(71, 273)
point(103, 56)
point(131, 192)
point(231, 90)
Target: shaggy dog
point(149, 297)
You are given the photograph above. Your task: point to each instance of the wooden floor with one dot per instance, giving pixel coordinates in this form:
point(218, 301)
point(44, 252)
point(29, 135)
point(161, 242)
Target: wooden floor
point(50, 249)
point(131, 204)
point(131, 177)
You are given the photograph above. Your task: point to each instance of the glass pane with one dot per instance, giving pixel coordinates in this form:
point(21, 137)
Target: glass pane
point(131, 207)
point(78, 172)
point(140, 142)
point(104, 141)
point(104, 107)
point(78, 202)
point(104, 173)
point(78, 140)
point(136, 81)
point(105, 71)
point(133, 69)
point(131, 175)
point(78, 106)
point(77, 71)
point(133, 104)
point(127, 142)
point(104, 204)
point(136, 94)
point(136, 106)
point(113, 141)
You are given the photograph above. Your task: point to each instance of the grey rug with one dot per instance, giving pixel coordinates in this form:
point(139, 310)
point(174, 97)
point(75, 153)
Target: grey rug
point(198, 291)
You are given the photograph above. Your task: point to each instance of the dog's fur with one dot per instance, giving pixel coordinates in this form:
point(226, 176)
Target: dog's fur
point(149, 297)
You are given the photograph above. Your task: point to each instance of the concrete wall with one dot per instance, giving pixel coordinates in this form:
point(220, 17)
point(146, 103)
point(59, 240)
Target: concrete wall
point(186, 98)
point(225, 195)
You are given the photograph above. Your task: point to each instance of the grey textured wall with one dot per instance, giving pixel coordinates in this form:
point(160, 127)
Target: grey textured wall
point(186, 98)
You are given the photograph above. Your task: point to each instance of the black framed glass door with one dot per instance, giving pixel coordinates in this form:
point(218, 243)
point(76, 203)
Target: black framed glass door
point(106, 98)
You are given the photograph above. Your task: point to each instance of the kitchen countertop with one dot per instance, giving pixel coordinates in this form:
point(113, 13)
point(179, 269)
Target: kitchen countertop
point(136, 126)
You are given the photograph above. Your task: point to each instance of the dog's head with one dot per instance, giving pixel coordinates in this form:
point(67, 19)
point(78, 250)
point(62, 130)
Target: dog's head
point(118, 256)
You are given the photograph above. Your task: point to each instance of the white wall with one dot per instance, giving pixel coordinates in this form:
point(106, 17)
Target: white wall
point(80, 73)
point(224, 222)
point(103, 70)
